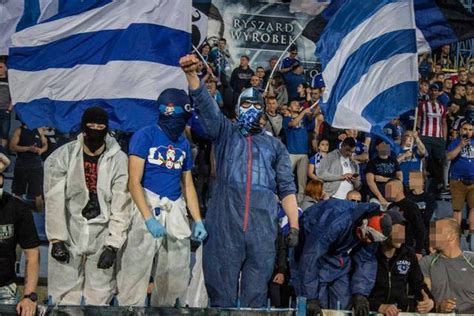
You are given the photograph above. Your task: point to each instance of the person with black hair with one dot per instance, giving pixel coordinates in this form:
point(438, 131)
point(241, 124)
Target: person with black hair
point(339, 172)
point(29, 144)
point(461, 182)
point(87, 213)
point(415, 230)
point(398, 272)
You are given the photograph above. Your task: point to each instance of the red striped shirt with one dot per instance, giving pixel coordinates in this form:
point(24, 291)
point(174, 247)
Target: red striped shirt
point(432, 117)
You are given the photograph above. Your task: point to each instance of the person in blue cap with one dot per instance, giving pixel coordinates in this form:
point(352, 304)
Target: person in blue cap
point(253, 170)
point(161, 186)
point(336, 266)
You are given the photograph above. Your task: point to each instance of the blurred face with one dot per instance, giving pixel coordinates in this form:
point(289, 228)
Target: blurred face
point(441, 235)
point(272, 105)
point(200, 66)
point(466, 130)
point(293, 54)
point(295, 106)
point(244, 62)
point(3, 70)
point(416, 181)
point(463, 76)
point(383, 149)
point(299, 70)
point(347, 151)
point(397, 237)
point(273, 63)
point(260, 73)
point(351, 133)
point(222, 44)
point(434, 93)
point(205, 49)
point(407, 141)
point(284, 110)
point(315, 95)
point(469, 90)
point(461, 90)
point(323, 146)
point(438, 69)
point(300, 88)
point(424, 88)
point(448, 84)
point(255, 81)
point(211, 86)
point(440, 77)
point(354, 196)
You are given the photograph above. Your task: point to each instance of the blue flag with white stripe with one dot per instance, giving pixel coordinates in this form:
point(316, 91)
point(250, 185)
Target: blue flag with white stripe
point(369, 56)
point(118, 54)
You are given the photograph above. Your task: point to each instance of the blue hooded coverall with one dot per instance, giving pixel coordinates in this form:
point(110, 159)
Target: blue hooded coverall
point(242, 216)
point(334, 264)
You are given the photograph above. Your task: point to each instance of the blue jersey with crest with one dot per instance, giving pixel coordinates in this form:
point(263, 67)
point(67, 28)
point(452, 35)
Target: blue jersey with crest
point(165, 160)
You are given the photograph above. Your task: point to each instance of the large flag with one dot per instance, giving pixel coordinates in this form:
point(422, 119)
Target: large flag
point(119, 54)
point(200, 20)
point(438, 22)
point(369, 58)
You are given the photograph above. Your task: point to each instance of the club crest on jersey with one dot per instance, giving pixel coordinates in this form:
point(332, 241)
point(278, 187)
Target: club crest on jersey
point(167, 156)
point(169, 109)
point(403, 266)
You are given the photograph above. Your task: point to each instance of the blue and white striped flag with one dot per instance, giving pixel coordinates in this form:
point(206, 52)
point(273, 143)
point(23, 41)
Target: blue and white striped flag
point(369, 56)
point(119, 54)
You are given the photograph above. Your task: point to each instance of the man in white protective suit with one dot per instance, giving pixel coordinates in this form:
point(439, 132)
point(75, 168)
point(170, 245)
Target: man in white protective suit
point(87, 213)
point(162, 187)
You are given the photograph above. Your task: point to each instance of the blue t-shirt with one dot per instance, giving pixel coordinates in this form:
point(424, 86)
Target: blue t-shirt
point(289, 62)
point(297, 137)
point(444, 99)
point(196, 126)
point(462, 167)
point(393, 131)
point(165, 160)
point(413, 164)
point(316, 161)
point(408, 119)
point(292, 82)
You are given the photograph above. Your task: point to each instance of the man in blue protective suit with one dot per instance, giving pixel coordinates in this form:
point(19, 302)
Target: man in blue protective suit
point(337, 265)
point(252, 169)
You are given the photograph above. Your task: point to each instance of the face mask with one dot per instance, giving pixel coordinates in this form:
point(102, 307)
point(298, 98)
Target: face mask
point(248, 120)
point(173, 125)
point(94, 138)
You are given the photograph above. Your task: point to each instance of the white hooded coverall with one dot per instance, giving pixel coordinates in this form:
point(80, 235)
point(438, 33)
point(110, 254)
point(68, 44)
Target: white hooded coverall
point(66, 195)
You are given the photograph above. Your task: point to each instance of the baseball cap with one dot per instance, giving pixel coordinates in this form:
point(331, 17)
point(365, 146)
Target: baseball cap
point(396, 216)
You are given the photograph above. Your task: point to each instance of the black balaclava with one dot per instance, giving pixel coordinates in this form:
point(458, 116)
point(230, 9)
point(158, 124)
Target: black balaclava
point(94, 138)
point(174, 108)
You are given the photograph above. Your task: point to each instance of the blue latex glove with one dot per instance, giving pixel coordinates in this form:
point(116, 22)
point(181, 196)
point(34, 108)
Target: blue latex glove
point(155, 228)
point(199, 232)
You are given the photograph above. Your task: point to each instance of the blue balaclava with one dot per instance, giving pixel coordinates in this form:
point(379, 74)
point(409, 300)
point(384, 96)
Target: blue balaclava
point(248, 118)
point(174, 108)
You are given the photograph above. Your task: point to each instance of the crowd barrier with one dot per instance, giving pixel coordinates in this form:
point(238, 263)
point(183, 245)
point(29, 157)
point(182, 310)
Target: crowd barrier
point(7, 310)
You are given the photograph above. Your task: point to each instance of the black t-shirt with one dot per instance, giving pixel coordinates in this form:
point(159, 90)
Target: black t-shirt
point(382, 167)
point(90, 172)
point(16, 227)
point(415, 230)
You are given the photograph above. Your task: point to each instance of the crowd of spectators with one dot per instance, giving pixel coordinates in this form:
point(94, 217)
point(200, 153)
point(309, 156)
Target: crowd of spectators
point(426, 155)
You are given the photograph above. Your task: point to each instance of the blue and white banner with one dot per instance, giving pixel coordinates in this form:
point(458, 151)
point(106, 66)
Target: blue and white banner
point(117, 54)
point(369, 56)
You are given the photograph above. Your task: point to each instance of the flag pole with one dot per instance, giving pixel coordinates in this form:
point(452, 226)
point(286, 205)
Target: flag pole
point(414, 129)
point(279, 60)
point(204, 61)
